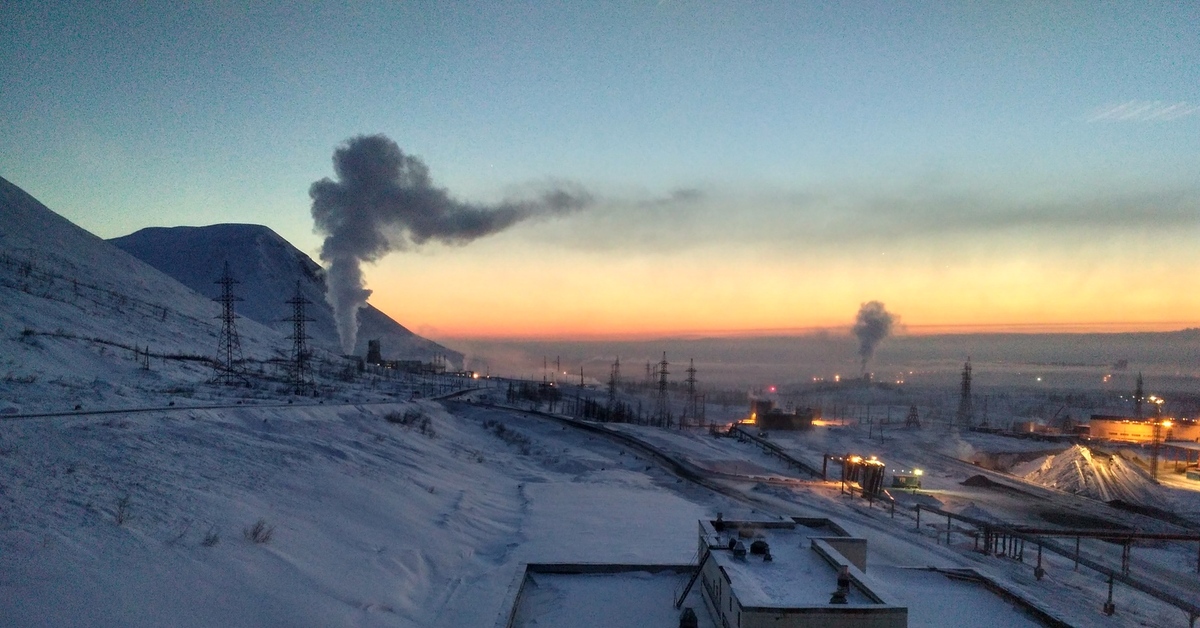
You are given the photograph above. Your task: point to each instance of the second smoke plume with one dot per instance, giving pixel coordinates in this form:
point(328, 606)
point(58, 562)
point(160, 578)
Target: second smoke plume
point(871, 326)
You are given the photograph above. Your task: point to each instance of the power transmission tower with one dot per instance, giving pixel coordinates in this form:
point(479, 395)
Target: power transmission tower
point(691, 395)
point(299, 373)
point(912, 420)
point(614, 380)
point(227, 369)
point(966, 412)
point(663, 407)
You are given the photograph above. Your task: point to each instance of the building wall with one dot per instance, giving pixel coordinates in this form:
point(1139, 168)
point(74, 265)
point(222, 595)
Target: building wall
point(1134, 431)
point(852, 549)
point(718, 594)
point(844, 617)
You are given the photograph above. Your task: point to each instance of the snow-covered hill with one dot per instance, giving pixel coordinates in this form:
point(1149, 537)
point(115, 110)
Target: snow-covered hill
point(77, 313)
point(268, 268)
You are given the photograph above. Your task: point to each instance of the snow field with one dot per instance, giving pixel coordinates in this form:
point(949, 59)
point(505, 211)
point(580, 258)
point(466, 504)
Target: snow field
point(374, 523)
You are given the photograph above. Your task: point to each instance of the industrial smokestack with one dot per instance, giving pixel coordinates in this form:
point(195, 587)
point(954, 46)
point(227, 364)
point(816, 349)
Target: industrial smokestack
point(383, 201)
point(873, 324)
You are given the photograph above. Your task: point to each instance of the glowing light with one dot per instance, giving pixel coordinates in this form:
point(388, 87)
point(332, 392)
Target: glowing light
point(771, 389)
point(1167, 423)
point(918, 472)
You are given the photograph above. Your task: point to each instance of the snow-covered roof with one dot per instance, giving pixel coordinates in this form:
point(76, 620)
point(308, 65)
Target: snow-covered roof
point(796, 577)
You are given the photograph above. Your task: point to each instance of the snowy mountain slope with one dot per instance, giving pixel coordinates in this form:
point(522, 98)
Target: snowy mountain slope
point(73, 307)
point(268, 268)
point(375, 523)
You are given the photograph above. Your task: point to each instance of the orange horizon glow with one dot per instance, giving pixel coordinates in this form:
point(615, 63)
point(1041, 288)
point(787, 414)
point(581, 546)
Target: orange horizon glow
point(503, 291)
point(495, 333)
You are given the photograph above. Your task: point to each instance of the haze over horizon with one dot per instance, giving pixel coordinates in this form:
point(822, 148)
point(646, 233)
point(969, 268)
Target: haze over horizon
point(751, 170)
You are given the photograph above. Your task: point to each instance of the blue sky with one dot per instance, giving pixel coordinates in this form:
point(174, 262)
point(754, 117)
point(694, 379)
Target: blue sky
point(796, 124)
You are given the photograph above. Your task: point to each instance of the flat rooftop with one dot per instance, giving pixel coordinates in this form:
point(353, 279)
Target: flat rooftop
point(796, 577)
point(634, 599)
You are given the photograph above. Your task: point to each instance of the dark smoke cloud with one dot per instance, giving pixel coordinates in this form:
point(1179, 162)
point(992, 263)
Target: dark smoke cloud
point(384, 200)
point(871, 326)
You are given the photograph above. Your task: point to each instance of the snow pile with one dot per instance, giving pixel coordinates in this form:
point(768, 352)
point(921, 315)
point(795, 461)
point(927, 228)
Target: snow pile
point(1106, 478)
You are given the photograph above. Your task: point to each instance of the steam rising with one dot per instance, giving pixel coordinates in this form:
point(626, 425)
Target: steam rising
point(383, 201)
point(873, 324)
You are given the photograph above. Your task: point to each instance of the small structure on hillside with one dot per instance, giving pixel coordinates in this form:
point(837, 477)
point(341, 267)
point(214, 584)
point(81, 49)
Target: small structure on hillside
point(375, 357)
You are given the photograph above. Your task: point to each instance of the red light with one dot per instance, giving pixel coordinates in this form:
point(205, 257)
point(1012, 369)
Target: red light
point(772, 389)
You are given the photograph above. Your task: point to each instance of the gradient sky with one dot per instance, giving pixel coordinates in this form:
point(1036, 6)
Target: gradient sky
point(758, 166)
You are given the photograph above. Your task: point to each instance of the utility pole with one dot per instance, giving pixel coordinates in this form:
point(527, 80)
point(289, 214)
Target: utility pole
point(966, 413)
point(912, 420)
point(300, 376)
point(227, 369)
point(691, 393)
point(663, 407)
point(614, 381)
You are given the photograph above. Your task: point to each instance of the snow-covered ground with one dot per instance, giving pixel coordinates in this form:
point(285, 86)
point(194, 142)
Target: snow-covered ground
point(375, 523)
point(136, 504)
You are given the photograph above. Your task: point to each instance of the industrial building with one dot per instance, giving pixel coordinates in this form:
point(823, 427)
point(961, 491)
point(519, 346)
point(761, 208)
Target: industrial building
point(1132, 430)
point(794, 573)
point(375, 357)
point(766, 416)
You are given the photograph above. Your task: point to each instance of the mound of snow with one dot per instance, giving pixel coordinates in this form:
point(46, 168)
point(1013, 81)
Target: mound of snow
point(1106, 478)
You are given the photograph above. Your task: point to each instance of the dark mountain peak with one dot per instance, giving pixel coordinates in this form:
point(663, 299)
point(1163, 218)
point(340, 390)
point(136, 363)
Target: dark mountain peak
point(267, 267)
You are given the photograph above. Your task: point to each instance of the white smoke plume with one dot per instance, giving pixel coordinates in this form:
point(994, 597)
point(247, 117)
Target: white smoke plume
point(384, 200)
point(871, 326)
